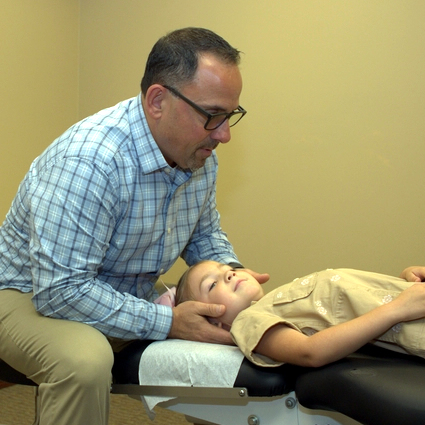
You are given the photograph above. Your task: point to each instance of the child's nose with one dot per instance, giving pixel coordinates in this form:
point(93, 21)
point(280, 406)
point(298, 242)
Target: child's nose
point(230, 275)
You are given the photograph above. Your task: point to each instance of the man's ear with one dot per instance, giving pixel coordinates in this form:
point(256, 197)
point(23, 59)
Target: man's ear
point(154, 101)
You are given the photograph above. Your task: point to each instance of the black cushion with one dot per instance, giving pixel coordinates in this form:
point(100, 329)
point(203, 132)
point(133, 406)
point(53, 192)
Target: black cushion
point(373, 386)
point(126, 363)
point(266, 381)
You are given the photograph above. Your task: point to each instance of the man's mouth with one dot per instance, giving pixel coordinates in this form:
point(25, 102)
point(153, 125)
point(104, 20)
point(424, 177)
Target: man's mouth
point(205, 152)
point(210, 146)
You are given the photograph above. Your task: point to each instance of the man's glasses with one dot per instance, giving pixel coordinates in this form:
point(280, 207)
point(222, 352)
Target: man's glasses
point(213, 120)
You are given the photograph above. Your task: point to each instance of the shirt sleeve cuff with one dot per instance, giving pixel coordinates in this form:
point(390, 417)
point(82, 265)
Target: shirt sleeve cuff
point(236, 265)
point(162, 323)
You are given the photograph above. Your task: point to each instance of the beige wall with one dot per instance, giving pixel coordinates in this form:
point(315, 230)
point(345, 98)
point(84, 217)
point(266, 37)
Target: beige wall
point(39, 83)
point(326, 168)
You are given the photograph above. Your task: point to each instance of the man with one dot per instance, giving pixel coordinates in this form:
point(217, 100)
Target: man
point(105, 210)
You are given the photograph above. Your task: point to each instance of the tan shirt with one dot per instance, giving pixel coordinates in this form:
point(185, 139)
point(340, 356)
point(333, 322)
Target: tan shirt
point(323, 299)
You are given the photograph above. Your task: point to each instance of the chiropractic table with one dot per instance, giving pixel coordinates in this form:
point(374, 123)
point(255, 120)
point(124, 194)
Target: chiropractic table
point(373, 386)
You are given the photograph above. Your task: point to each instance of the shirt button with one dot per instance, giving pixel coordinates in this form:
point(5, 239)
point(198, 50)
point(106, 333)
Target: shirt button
point(161, 271)
point(169, 230)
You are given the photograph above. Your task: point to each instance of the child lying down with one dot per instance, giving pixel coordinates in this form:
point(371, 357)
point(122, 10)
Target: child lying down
point(313, 320)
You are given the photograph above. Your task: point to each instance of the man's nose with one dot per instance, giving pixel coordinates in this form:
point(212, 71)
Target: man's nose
point(222, 133)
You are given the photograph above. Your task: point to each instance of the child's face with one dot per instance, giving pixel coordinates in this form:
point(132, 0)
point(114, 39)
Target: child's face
point(212, 282)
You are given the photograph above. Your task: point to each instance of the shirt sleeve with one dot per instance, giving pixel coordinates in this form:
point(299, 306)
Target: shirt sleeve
point(247, 330)
point(74, 209)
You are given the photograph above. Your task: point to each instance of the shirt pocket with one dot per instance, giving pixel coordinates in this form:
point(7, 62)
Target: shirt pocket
point(296, 290)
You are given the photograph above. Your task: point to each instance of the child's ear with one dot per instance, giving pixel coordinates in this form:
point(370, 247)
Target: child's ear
point(214, 321)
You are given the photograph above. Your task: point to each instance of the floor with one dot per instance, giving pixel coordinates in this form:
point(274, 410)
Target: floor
point(17, 408)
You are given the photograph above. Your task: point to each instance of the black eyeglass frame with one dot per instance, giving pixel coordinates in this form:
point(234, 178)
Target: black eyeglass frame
point(226, 115)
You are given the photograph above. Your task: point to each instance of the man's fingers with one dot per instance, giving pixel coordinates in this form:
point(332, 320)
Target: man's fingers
point(263, 277)
point(211, 310)
point(190, 322)
point(260, 277)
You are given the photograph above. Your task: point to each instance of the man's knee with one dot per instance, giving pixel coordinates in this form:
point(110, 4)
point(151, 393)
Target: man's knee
point(93, 366)
point(86, 358)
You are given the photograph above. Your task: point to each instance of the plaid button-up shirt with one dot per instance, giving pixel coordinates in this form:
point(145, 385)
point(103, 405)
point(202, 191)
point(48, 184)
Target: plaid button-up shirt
point(99, 216)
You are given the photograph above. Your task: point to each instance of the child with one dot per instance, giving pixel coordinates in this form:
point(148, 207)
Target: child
point(314, 320)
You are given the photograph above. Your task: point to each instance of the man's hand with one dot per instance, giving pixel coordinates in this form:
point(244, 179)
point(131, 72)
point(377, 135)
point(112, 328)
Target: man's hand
point(261, 277)
point(414, 274)
point(190, 322)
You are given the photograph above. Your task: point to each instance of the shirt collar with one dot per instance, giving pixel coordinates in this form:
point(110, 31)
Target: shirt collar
point(148, 152)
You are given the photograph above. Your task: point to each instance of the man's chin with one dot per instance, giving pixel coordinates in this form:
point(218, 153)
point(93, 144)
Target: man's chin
point(196, 167)
point(195, 163)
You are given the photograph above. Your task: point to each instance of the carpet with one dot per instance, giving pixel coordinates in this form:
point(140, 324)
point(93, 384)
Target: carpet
point(17, 408)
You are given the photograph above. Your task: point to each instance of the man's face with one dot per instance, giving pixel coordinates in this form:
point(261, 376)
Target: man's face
point(212, 282)
point(181, 137)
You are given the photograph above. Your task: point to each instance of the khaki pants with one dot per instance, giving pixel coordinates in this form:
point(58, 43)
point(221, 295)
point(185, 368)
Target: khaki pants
point(70, 361)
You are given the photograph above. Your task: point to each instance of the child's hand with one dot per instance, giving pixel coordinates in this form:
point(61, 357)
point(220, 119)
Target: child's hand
point(414, 274)
point(410, 304)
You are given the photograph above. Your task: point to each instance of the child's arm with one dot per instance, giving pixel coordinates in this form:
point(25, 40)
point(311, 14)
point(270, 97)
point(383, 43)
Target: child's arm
point(287, 345)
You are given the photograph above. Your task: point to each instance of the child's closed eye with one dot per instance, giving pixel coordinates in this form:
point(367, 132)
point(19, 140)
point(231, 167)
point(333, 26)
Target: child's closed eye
point(212, 286)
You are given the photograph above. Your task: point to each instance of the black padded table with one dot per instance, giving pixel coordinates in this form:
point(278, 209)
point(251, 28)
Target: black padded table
point(373, 386)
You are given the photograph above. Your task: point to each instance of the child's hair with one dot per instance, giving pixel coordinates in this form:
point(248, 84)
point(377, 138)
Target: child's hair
point(183, 292)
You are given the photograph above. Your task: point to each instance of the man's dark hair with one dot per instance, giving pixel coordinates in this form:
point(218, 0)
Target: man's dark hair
point(173, 59)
